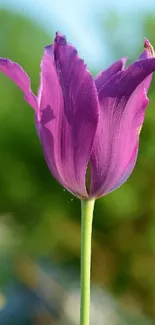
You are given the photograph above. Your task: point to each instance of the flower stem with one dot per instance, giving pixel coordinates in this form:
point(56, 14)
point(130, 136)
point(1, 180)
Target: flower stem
point(87, 208)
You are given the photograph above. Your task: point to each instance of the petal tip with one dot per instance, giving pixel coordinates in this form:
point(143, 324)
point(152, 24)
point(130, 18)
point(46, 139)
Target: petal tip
point(124, 60)
point(3, 61)
point(48, 48)
point(149, 47)
point(60, 39)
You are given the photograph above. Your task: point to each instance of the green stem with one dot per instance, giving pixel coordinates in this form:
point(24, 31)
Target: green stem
point(87, 207)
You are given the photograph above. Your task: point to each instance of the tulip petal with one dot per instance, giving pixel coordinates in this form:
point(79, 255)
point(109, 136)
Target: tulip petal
point(15, 72)
point(128, 170)
point(123, 103)
point(68, 114)
point(105, 75)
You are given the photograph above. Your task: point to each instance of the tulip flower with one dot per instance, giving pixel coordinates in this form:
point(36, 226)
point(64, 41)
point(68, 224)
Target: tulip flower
point(86, 124)
point(88, 127)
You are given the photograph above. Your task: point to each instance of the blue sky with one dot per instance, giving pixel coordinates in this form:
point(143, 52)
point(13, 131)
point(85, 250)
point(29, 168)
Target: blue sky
point(78, 19)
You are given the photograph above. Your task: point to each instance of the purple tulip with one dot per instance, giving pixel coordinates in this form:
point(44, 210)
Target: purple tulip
point(86, 125)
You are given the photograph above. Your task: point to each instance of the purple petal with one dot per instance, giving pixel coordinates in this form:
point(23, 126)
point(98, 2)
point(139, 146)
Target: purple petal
point(105, 75)
point(15, 72)
point(68, 114)
point(123, 103)
point(128, 170)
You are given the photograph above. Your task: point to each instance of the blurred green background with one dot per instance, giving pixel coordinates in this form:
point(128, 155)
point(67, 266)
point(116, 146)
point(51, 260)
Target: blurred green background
point(40, 221)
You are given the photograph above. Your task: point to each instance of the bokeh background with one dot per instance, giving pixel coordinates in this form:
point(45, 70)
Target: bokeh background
point(39, 220)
